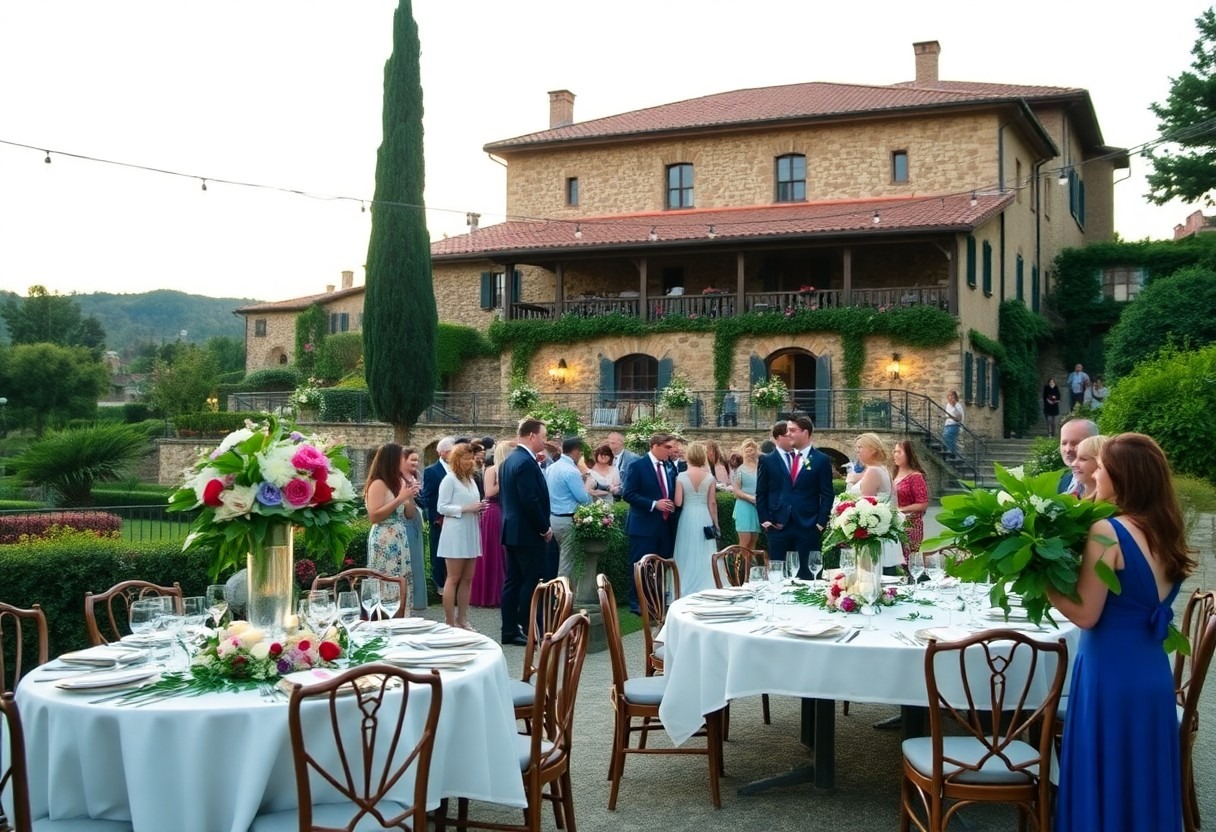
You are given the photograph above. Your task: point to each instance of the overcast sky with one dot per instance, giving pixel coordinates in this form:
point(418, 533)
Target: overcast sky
point(288, 94)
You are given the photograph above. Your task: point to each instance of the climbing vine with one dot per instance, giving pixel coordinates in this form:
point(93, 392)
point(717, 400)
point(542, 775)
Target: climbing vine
point(312, 325)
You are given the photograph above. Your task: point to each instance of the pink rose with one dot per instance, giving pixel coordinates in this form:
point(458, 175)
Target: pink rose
point(298, 492)
point(848, 604)
point(308, 458)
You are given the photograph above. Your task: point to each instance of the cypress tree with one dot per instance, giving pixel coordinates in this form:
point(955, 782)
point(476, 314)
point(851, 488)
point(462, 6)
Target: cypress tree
point(399, 317)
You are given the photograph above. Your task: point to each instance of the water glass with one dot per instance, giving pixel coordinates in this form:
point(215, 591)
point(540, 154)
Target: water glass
point(194, 616)
point(814, 562)
point(757, 576)
point(143, 614)
point(776, 574)
point(916, 566)
point(948, 599)
point(869, 585)
point(935, 568)
point(321, 611)
point(217, 602)
point(390, 598)
point(848, 565)
point(369, 595)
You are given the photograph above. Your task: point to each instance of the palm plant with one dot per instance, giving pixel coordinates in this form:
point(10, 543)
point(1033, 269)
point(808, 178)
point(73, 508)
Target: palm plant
point(70, 462)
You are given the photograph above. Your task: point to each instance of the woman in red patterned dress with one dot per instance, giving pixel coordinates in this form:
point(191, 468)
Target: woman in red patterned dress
point(911, 493)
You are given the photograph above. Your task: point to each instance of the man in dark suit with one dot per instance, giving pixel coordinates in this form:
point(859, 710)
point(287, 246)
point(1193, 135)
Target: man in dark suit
point(794, 495)
point(1072, 433)
point(650, 490)
point(524, 498)
point(431, 477)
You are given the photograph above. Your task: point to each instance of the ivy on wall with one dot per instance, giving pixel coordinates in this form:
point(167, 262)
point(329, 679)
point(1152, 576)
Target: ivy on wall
point(312, 325)
point(455, 344)
point(1017, 355)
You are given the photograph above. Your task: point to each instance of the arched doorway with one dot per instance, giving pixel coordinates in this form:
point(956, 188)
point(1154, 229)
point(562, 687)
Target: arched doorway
point(796, 367)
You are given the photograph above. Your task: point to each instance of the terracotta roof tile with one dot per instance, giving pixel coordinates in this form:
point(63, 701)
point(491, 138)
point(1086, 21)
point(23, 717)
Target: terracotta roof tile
point(769, 104)
point(297, 304)
point(899, 215)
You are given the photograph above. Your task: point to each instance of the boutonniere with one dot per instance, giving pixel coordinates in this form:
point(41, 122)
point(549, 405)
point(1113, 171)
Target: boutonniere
point(806, 462)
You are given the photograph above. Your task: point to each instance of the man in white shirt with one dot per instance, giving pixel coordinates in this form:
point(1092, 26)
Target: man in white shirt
point(1078, 383)
point(566, 493)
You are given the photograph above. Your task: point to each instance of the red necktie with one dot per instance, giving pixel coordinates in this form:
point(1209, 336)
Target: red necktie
point(658, 469)
point(794, 457)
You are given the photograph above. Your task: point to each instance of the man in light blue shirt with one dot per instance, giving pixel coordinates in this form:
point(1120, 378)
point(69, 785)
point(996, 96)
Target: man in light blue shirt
point(566, 493)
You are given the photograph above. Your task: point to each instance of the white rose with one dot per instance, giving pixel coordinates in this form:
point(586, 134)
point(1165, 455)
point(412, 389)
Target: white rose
point(1041, 504)
point(235, 502)
point(342, 488)
point(234, 438)
point(1017, 471)
point(1004, 498)
point(276, 466)
point(236, 628)
point(260, 651)
point(250, 637)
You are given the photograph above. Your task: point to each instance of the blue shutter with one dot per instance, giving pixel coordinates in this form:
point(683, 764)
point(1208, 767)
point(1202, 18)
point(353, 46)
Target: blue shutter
point(607, 381)
point(344, 322)
point(823, 391)
point(1035, 289)
point(757, 371)
point(487, 290)
point(1081, 202)
point(968, 360)
point(981, 380)
point(664, 372)
point(1020, 276)
point(996, 385)
point(971, 261)
point(516, 288)
point(987, 266)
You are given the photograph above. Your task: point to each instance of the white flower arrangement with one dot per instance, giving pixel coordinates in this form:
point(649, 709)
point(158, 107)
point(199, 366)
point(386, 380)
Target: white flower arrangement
point(522, 395)
point(770, 393)
point(677, 393)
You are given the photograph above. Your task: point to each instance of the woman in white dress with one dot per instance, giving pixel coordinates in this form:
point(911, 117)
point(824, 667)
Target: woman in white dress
point(875, 481)
point(460, 544)
point(697, 499)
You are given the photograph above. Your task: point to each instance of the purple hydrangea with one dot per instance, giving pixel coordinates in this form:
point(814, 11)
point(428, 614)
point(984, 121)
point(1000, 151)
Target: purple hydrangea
point(283, 666)
point(969, 521)
point(296, 436)
point(1011, 521)
point(269, 494)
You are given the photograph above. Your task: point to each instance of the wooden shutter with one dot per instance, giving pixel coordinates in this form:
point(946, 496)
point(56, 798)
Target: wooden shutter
point(981, 380)
point(487, 290)
point(987, 267)
point(607, 379)
point(757, 371)
point(996, 385)
point(971, 261)
point(1035, 289)
point(664, 372)
point(1020, 277)
point(968, 360)
point(516, 286)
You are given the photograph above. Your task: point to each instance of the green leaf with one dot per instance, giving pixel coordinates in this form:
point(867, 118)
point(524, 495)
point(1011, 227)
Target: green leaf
point(1108, 577)
point(1176, 641)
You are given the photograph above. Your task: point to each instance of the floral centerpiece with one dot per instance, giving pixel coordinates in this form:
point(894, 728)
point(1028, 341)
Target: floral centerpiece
point(521, 395)
point(244, 652)
point(770, 393)
point(677, 393)
point(1025, 538)
point(863, 523)
point(842, 597)
point(594, 521)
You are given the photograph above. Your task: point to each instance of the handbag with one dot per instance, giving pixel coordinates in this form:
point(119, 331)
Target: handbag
point(711, 532)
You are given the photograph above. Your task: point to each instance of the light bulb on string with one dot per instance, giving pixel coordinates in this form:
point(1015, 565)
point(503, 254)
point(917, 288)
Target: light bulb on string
point(362, 207)
point(654, 234)
point(578, 231)
point(974, 201)
point(204, 184)
point(877, 219)
point(48, 156)
point(713, 232)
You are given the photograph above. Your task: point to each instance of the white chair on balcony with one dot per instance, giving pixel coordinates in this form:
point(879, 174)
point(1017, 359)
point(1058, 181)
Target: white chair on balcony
point(604, 417)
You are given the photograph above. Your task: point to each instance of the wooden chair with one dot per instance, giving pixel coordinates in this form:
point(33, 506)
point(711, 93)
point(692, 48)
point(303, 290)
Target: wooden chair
point(552, 603)
point(111, 626)
point(359, 756)
point(989, 762)
point(352, 578)
point(20, 628)
point(1190, 672)
point(545, 754)
point(14, 782)
point(652, 576)
point(640, 699)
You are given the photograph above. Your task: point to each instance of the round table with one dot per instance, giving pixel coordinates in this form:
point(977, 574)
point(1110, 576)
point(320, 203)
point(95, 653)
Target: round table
point(710, 662)
point(210, 763)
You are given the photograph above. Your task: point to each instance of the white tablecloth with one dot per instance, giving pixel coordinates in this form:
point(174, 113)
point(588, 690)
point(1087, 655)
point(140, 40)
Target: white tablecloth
point(708, 663)
point(210, 763)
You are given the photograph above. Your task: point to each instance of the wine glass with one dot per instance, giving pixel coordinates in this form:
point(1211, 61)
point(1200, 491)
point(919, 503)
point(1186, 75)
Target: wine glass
point(321, 611)
point(142, 615)
point(848, 565)
point(776, 574)
point(869, 585)
point(814, 562)
point(935, 568)
point(757, 576)
point(194, 616)
point(348, 612)
point(369, 594)
point(948, 598)
point(169, 623)
point(217, 602)
point(390, 598)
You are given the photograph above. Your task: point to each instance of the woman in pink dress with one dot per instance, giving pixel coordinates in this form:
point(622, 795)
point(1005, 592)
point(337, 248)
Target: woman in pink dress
point(911, 493)
point(487, 580)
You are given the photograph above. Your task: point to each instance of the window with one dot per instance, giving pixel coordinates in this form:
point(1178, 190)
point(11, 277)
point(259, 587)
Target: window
point(791, 178)
point(968, 361)
point(339, 322)
point(359, 321)
point(971, 261)
point(259, 328)
point(1035, 288)
point(637, 377)
point(1076, 197)
point(1020, 278)
point(494, 289)
point(679, 185)
point(572, 191)
point(899, 166)
point(987, 268)
point(1047, 191)
point(1122, 283)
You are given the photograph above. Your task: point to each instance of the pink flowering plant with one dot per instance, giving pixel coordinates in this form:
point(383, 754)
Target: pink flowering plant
point(594, 521)
point(840, 597)
point(264, 475)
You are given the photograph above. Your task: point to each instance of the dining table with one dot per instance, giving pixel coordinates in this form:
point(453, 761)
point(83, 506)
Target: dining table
point(213, 761)
point(804, 650)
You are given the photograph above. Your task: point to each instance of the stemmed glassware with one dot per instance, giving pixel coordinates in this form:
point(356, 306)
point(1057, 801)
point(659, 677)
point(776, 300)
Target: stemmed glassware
point(217, 602)
point(194, 616)
point(169, 622)
point(348, 612)
point(757, 576)
point(321, 611)
point(935, 568)
point(142, 615)
point(869, 585)
point(815, 564)
point(948, 598)
point(916, 568)
point(390, 598)
point(848, 564)
point(369, 595)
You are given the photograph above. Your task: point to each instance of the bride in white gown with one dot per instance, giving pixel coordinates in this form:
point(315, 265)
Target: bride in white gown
point(697, 497)
point(875, 481)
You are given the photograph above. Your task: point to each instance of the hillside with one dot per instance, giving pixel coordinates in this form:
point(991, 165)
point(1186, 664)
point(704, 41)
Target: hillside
point(158, 316)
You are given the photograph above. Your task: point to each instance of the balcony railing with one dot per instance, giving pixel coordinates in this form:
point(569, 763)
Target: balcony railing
point(726, 304)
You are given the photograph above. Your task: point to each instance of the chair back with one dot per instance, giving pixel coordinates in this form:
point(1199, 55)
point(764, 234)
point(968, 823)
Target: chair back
point(351, 580)
point(359, 754)
point(1199, 608)
point(552, 602)
point(13, 780)
point(652, 575)
point(993, 697)
point(25, 631)
point(734, 563)
point(115, 605)
point(558, 670)
point(612, 633)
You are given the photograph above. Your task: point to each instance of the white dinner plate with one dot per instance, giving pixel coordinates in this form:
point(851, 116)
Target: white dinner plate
point(1015, 614)
point(143, 640)
point(429, 658)
point(891, 580)
point(105, 655)
point(453, 638)
point(815, 629)
point(943, 634)
point(724, 594)
point(108, 679)
point(723, 612)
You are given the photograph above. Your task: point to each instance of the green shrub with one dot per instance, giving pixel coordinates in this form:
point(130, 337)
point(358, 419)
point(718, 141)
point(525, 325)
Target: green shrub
point(1198, 497)
point(233, 377)
point(273, 379)
point(339, 354)
point(1175, 308)
point(1044, 456)
point(70, 462)
point(133, 412)
point(210, 424)
point(14, 527)
point(150, 495)
point(344, 405)
point(19, 505)
point(1171, 398)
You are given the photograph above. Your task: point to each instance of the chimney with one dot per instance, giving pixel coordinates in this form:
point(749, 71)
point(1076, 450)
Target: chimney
point(926, 62)
point(348, 279)
point(561, 108)
point(329, 287)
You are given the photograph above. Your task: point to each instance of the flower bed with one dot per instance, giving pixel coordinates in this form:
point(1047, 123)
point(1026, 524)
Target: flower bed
point(15, 527)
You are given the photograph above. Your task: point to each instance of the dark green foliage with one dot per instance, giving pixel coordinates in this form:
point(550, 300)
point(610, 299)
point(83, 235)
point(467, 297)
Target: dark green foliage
point(399, 317)
point(1017, 355)
point(207, 423)
point(338, 355)
point(233, 377)
point(1185, 167)
point(344, 405)
point(48, 384)
point(184, 384)
point(158, 317)
point(51, 318)
point(127, 495)
point(455, 344)
point(134, 412)
point(1171, 398)
point(229, 354)
point(1044, 456)
point(70, 462)
point(1178, 308)
point(312, 328)
point(273, 379)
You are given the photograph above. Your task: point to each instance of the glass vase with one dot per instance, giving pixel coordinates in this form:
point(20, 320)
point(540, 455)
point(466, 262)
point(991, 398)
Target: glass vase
point(271, 577)
point(869, 578)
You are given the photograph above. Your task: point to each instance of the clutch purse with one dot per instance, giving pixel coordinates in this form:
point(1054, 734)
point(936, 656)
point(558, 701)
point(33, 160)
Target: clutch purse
point(711, 532)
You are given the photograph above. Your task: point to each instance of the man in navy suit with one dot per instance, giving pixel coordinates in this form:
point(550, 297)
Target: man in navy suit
point(432, 476)
point(524, 498)
point(794, 495)
point(650, 489)
point(1072, 433)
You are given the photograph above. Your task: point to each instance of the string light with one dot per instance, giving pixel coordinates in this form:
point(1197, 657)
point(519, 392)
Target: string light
point(654, 234)
point(712, 232)
point(1063, 180)
point(974, 201)
point(48, 156)
point(578, 231)
point(877, 219)
point(362, 207)
point(204, 184)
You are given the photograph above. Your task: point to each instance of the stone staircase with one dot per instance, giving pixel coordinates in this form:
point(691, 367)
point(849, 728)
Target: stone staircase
point(1008, 452)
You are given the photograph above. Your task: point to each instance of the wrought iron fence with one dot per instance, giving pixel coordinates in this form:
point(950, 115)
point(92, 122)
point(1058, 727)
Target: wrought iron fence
point(138, 523)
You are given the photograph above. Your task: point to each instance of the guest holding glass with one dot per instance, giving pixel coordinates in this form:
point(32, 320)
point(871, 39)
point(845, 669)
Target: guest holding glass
point(747, 521)
point(603, 481)
point(1086, 464)
point(461, 505)
point(388, 499)
point(413, 532)
point(486, 587)
point(1119, 764)
point(911, 493)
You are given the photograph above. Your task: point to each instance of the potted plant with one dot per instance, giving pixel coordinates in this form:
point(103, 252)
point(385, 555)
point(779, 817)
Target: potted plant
point(521, 395)
point(677, 395)
point(640, 431)
point(306, 399)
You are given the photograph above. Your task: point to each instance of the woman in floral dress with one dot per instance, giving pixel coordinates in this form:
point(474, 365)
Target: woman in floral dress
point(389, 501)
point(911, 494)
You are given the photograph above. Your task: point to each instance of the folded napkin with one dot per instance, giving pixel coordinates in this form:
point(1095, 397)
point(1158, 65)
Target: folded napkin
point(105, 655)
point(737, 593)
point(723, 612)
point(944, 633)
point(402, 625)
point(453, 638)
point(429, 658)
point(107, 679)
point(815, 629)
point(304, 678)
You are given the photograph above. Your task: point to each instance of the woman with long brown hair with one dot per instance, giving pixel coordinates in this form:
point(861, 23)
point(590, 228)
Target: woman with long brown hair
point(461, 505)
point(390, 502)
point(911, 493)
point(1120, 766)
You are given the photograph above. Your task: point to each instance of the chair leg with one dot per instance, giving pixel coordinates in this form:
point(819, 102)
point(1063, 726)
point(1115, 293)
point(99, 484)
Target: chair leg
point(845, 708)
point(713, 739)
point(462, 809)
point(568, 800)
point(768, 719)
point(555, 790)
point(618, 767)
point(441, 816)
point(905, 804)
point(726, 723)
point(645, 732)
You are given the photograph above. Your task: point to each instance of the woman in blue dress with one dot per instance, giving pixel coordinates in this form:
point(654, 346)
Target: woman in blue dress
point(1119, 766)
point(747, 522)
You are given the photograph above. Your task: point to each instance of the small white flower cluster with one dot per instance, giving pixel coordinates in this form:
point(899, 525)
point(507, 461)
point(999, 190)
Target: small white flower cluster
point(865, 517)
